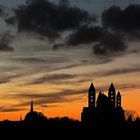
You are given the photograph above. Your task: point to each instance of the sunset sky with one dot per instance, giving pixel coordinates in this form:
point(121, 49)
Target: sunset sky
point(50, 52)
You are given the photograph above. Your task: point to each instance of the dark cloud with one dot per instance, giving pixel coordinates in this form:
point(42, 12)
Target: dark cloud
point(127, 20)
point(11, 20)
point(56, 78)
point(5, 40)
point(85, 35)
point(1, 11)
point(118, 25)
point(106, 42)
point(57, 46)
point(112, 17)
point(110, 44)
point(49, 19)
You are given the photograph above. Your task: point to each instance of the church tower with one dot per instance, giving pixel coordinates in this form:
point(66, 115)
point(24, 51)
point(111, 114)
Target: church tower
point(91, 96)
point(32, 107)
point(112, 94)
point(118, 99)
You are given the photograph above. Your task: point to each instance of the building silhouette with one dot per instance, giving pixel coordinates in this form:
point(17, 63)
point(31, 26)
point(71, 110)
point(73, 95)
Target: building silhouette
point(34, 118)
point(106, 111)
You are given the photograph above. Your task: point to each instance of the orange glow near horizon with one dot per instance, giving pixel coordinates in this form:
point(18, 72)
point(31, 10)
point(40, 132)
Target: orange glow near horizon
point(130, 100)
point(67, 98)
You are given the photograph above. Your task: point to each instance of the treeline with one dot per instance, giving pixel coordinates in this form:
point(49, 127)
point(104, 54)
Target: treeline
point(61, 126)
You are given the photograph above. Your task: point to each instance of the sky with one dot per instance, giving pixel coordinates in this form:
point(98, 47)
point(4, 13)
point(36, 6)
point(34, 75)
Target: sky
point(51, 51)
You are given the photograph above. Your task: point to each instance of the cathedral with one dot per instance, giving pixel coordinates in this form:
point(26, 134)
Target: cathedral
point(105, 111)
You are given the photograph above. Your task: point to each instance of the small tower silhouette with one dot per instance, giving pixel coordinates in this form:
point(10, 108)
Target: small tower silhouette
point(32, 107)
point(118, 99)
point(91, 96)
point(112, 94)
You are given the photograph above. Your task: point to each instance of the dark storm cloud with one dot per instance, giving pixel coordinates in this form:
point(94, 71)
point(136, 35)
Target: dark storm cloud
point(4, 11)
point(5, 40)
point(49, 19)
point(56, 78)
point(85, 35)
point(127, 20)
point(118, 26)
point(106, 41)
point(110, 44)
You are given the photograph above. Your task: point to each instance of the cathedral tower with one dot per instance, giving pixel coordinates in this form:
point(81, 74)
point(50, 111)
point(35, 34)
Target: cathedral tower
point(91, 96)
point(112, 94)
point(118, 99)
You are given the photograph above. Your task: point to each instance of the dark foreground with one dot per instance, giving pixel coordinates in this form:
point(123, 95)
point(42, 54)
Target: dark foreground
point(72, 130)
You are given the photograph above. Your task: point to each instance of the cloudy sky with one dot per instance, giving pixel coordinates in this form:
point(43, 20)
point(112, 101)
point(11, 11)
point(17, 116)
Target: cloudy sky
point(51, 51)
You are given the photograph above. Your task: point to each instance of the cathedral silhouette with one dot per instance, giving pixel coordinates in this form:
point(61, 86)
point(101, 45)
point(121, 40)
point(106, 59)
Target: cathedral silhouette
point(106, 111)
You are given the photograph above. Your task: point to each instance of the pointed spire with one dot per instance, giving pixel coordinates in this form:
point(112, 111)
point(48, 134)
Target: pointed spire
point(118, 94)
point(32, 108)
point(91, 86)
point(112, 86)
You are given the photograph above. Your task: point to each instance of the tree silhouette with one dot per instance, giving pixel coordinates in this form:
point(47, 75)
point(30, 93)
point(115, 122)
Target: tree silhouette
point(130, 115)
